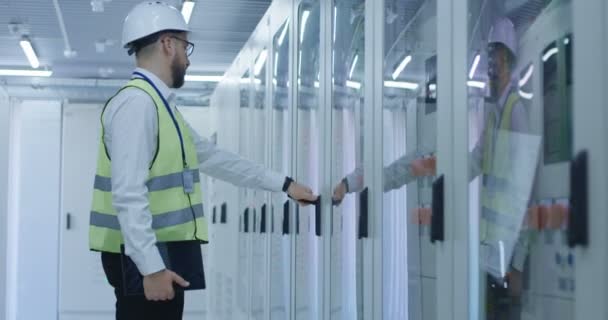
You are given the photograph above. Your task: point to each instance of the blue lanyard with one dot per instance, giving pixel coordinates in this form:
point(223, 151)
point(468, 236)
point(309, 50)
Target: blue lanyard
point(179, 133)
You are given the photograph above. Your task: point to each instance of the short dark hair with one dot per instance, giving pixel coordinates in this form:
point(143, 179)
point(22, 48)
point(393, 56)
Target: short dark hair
point(137, 45)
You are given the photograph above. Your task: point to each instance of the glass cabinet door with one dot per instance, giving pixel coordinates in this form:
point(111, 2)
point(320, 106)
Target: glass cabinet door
point(349, 189)
point(409, 152)
point(308, 244)
point(520, 146)
point(280, 229)
point(258, 145)
point(244, 245)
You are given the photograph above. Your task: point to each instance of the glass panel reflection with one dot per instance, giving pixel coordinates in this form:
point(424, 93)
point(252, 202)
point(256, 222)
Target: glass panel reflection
point(348, 66)
point(243, 251)
point(308, 245)
point(257, 136)
point(280, 161)
point(410, 142)
point(519, 95)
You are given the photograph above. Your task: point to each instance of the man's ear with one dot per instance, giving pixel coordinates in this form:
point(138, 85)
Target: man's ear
point(166, 44)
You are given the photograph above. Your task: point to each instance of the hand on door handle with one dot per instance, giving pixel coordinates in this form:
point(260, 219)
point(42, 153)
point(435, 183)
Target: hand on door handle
point(300, 193)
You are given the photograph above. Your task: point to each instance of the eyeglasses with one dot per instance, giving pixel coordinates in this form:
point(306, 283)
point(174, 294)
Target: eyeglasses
point(189, 45)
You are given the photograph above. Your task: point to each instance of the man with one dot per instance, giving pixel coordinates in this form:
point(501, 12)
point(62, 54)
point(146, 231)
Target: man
point(506, 120)
point(147, 186)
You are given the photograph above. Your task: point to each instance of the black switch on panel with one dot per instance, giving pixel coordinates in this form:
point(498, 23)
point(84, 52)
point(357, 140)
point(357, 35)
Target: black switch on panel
point(224, 213)
point(437, 209)
point(263, 219)
point(213, 215)
point(246, 220)
point(578, 223)
point(297, 219)
point(363, 216)
point(318, 216)
point(286, 217)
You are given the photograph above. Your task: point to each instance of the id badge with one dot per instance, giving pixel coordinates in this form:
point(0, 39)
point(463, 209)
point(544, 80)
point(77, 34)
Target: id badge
point(188, 179)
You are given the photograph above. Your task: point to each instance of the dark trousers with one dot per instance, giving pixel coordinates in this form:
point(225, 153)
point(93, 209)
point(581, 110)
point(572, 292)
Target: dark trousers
point(137, 307)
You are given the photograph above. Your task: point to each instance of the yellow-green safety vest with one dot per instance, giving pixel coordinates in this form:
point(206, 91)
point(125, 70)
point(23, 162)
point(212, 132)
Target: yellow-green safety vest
point(499, 220)
point(176, 214)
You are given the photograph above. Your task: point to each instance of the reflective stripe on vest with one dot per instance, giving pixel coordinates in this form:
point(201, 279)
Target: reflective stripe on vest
point(172, 180)
point(500, 221)
point(176, 215)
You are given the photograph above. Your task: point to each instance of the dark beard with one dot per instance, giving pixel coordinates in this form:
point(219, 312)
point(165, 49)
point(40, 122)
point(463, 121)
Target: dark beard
point(178, 74)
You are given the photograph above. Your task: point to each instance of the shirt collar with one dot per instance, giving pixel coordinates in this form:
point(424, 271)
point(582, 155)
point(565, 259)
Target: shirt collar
point(160, 85)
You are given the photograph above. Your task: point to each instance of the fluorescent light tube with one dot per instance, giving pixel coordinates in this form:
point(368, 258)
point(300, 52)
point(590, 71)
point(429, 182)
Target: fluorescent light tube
point(187, 10)
point(26, 45)
point(401, 85)
point(202, 78)
point(353, 84)
point(352, 67)
point(260, 63)
point(526, 95)
point(276, 63)
point(550, 53)
point(305, 16)
point(474, 67)
point(335, 21)
point(25, 73)
point(402, 66)
point(283, 33)
point(527, 76)
point(477, 84)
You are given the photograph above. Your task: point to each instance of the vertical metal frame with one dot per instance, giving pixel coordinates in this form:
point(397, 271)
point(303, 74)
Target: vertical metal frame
point(372, 248)
point(456, 270)
point(326, 97)
point(590, 127)
point(293, 92)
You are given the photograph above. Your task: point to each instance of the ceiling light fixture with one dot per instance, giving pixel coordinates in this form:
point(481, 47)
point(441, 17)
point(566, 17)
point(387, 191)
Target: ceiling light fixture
point(25, 72)
point(203, 78)
point(305, 15)
point(401, 66)
point(476, 84)
point(550, 53)
point(352, 67)
point(26, 45)
point(401, 85)
point(260, 62)
point(283, 33)
point(474, 67)
point(187, 9)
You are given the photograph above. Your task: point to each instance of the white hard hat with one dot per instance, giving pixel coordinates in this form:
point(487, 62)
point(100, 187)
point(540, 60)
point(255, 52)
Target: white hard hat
point(503, 31)
point(150, 17)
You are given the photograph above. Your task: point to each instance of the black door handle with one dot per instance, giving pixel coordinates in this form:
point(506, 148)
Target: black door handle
point(437, 207)
point(317, 204)
point(246, 220)
point(286, 217)
point(68, 221)
point(297, 219)
point(213, 215)
point(263, 219)
point(363, 214)
point(578, 223)
point(224, 213)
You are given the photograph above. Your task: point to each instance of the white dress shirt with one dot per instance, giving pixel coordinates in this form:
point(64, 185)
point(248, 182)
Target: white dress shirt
point(130, 132)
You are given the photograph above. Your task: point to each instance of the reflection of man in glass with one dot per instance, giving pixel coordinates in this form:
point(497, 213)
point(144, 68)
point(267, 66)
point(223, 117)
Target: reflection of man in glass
point(505, 113)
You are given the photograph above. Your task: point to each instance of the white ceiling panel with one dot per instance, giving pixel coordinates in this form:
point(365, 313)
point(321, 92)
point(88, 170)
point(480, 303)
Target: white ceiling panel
point(220, 28)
